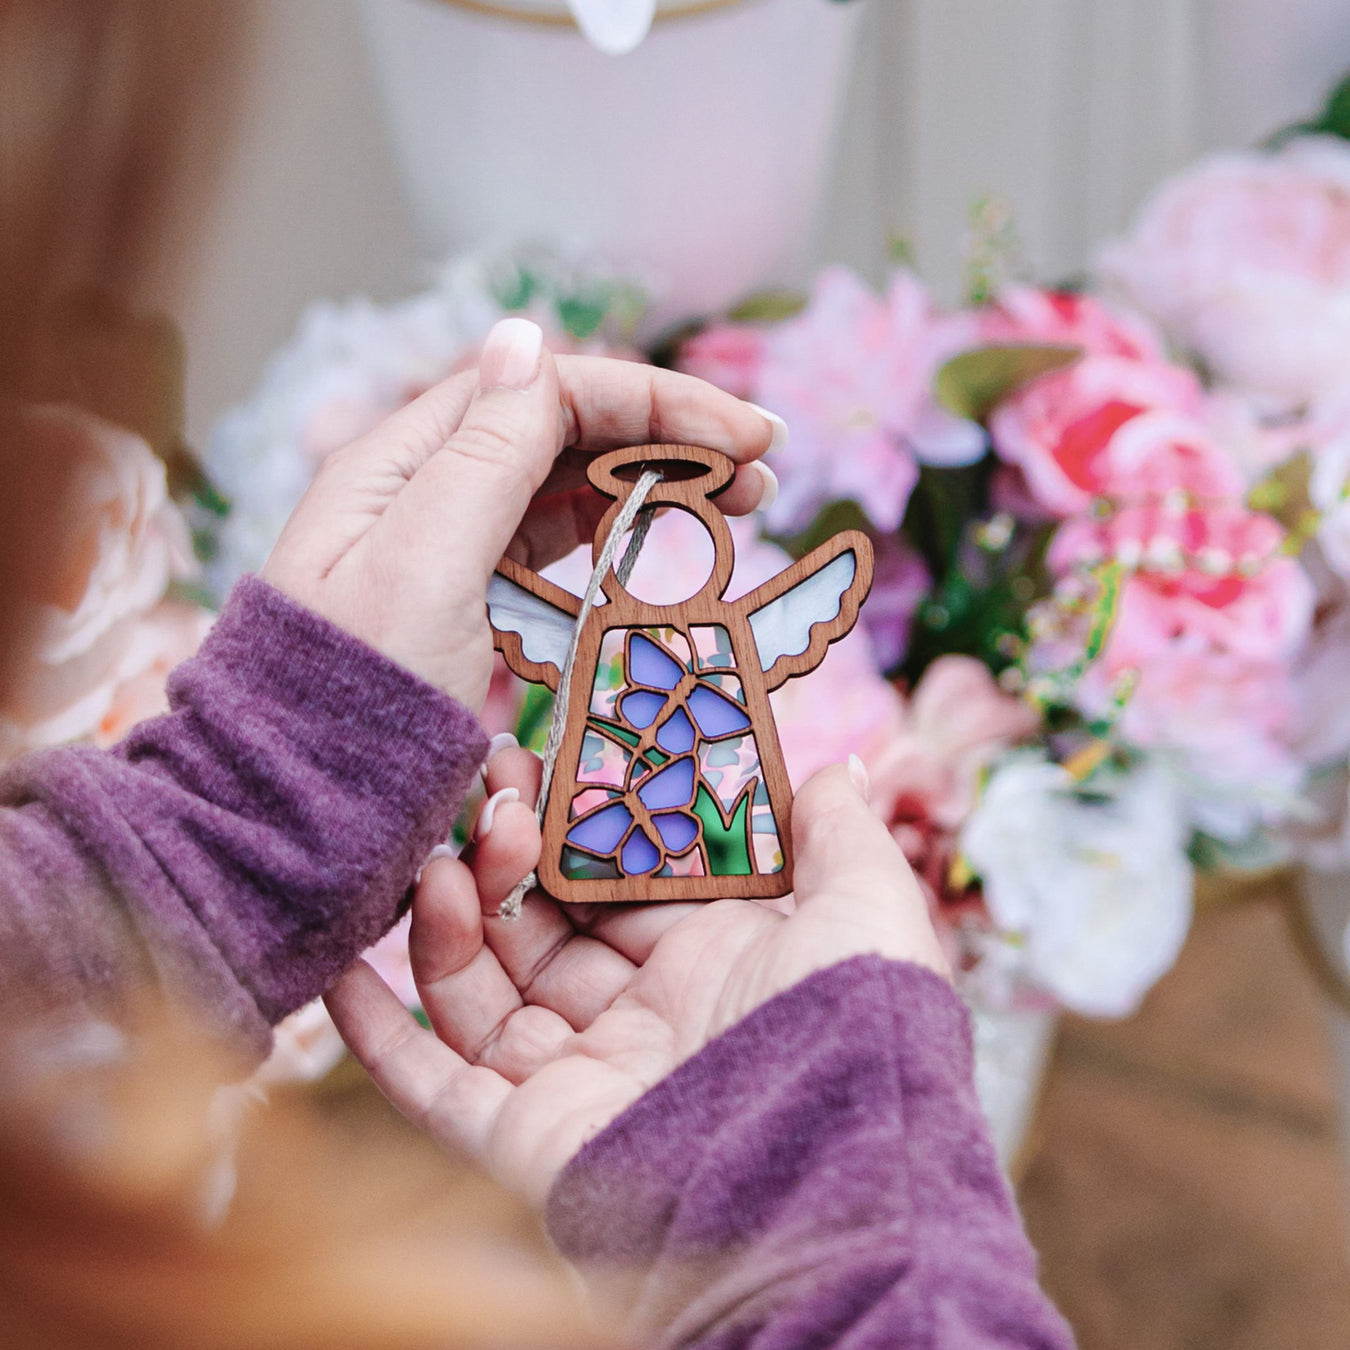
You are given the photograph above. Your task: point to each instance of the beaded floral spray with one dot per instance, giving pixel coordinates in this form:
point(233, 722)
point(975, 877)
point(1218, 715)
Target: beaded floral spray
point(663, 776)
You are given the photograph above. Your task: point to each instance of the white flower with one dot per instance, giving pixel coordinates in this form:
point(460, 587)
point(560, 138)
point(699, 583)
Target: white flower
point(1096, 886)
point(119, 544)
point(352, 364)
point(348, 366)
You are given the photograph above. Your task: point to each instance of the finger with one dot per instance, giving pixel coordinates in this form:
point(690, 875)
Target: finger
point(848, 871)
point(427, 1081)
point(506, 846)
point(476, 487)
point(558, 522)
point(554, 967)
point(840, 845)
point(611, 403)
point(631, 930)
point(465, 993)
point(515, 767)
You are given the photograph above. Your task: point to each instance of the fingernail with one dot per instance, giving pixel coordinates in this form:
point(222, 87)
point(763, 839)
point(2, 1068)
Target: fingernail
point(503, 740)
point(510, 358)
point(440, 851)
point(862, 780)
point(489, 812)
point(770, 481)
point(779, 427)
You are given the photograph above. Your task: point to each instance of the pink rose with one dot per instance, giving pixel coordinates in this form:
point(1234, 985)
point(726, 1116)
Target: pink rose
point(120, 543)
point(1245, 259)
point(926, 775)
point(729, 355)
point(1209, 619)
point(1059, 429)
point(1204, 579)
point(955, 723)
point(852, 375)
point(1026, 314)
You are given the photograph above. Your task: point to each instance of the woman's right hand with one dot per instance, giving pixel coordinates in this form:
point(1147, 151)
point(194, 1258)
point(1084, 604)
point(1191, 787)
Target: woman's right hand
point(398, 535)
point(547, 1027)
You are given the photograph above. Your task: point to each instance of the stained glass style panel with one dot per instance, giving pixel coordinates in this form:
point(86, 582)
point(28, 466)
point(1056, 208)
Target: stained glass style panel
point(669, 778)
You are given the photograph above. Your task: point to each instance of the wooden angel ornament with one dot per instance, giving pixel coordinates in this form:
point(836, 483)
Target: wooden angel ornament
point(669, 782)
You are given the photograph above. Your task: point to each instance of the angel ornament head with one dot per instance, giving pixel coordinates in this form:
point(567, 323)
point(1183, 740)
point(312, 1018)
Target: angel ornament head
point(670, 782)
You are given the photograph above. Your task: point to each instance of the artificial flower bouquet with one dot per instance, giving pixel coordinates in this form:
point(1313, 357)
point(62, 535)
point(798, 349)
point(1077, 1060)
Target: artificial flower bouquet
point(1111, 526)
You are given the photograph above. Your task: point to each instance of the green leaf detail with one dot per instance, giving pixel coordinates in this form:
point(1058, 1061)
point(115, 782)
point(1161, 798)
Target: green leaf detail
point(768, 307)
point(727, 841)
point(972, 384)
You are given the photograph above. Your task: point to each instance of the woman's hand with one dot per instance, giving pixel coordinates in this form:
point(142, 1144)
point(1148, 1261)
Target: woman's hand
point(546, 1028)
point(399, 533)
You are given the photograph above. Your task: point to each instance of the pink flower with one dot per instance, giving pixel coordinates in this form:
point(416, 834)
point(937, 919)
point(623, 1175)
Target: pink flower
point(852, 376)
point(729, 355)
point(1209, 619)
point(1201, 579)
point(120, 544)
point(1026, 314)
point(1246, 259)
point(952, 727)
point(899, 583)
point(926, 775)
point(843, 707)
point(1059, 430)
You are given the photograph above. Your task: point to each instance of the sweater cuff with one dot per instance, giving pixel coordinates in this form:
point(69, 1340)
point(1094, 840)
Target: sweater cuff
point(348, 763)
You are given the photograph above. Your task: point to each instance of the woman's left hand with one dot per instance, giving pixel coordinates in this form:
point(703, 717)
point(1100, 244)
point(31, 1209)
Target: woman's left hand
point(398, 535)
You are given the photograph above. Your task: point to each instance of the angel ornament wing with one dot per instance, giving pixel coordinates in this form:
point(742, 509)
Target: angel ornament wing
point(670, 782)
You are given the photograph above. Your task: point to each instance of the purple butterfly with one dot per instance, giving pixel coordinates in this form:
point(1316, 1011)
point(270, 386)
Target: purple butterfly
point(658, 803)
point(657, 678)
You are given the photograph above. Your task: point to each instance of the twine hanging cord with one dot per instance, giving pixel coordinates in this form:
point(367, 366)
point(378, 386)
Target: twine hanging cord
point(632, 515)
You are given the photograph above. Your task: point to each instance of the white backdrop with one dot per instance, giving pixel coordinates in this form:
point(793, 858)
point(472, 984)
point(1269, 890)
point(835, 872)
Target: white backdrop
point(1070, 108)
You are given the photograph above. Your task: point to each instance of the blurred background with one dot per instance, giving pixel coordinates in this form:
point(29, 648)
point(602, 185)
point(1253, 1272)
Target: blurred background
point(1071, 109)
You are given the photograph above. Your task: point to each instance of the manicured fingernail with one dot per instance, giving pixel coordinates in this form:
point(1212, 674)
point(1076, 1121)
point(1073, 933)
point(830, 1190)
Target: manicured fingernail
point(510, 358)
point(489, 812)
point(862, 780)
point(779, 427)
point(440, 851)
point(503, 740)
point(770, 480)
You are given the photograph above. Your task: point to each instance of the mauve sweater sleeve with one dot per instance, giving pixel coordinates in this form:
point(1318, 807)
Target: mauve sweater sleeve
point(240, 851)
point(819, 1176)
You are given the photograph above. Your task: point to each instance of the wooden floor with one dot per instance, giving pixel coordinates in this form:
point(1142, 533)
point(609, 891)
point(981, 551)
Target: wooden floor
point(1183, 1183)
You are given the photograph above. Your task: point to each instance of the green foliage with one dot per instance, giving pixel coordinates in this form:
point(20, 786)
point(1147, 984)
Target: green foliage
point(768, 307)
point(973, 383)
point(1333, 120)
point(837, 516)
point(536, 710)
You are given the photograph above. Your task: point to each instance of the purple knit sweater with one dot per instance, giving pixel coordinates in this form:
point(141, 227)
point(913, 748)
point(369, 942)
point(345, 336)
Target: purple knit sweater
point(819, 1176)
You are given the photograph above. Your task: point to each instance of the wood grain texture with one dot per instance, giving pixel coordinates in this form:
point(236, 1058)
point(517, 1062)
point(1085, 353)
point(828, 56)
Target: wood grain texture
point(693, 478)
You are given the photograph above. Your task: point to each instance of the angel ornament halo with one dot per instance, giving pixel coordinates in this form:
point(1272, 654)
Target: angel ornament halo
point(669, 782)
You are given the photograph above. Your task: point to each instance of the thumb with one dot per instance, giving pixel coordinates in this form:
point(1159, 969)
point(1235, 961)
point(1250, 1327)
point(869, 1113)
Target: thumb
point(477, 487)
point(849, 871)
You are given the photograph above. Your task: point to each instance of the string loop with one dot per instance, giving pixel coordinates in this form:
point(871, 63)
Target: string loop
point(632, 511)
